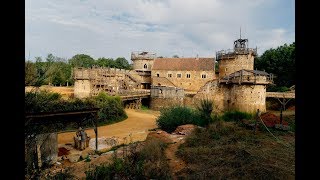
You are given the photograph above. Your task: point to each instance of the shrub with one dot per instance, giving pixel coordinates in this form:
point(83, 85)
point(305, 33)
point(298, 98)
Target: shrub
point(128, 167)
point(236, 116)
point(205, 109)
point(111, 108)
point(155, 163)
point(144, 107)
point(62, 176)
point(43, 101)
point(172, 117)
point(149, 163)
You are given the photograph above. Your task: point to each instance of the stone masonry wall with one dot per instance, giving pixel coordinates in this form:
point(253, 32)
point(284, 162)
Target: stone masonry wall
point(248, 98)
point(215, 92)
point(158, 103)
point(82, 88)
point(139, 64)
point(190, 84)
point(228, 66)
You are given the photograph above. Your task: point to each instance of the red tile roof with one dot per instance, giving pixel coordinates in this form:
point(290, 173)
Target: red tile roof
point(184, 64)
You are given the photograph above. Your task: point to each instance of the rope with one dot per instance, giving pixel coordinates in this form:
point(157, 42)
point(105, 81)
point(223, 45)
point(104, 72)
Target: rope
point(278, 140)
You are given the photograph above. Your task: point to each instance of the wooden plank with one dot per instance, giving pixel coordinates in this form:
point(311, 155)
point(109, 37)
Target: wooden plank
point(280, 94)
point(47, 114)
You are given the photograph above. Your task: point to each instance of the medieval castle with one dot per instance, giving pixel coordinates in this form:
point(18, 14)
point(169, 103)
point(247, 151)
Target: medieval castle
point(183, 81)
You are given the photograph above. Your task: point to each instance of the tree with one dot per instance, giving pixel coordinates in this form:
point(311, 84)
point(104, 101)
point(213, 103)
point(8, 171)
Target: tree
point(105, 62)
point(281, 63)
point(30, 73)
point(81, 60)
point(175, 56)
point(41, 69)
point(121, 63)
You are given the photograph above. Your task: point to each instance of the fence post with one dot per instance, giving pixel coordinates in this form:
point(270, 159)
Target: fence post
point(256, 122)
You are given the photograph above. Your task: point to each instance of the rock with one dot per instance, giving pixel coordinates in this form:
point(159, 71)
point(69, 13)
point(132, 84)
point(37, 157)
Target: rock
point(282, 127)
point(103, 143)
point(59, 158)
point(109, 152)
point(85, 153)
point(163, 136)
point(95, 156)
point(58, 163)
point(185, 129)
point(73, 157)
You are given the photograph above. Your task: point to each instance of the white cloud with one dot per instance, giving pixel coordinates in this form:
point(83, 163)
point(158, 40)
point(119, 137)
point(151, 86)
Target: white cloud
point(183, 27)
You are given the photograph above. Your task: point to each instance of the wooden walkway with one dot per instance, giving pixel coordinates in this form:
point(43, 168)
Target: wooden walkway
point(133, 97)
point(287, 95)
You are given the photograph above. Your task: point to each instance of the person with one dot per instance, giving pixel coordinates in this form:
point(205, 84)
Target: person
point(77, 138)
point(83, 136)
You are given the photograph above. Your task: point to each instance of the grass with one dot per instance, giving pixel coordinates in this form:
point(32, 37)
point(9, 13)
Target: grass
point(236, 116)
point(146, 163)
point(224, 150)
point(144, 108)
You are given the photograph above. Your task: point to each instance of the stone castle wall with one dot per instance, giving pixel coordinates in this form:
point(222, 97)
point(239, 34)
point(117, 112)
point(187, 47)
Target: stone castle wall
point(225, 97)
point(248, 98)
point(159, 103)
point(217, 93)
point(82, 88)
point(228, 66)
point(138, 64)
point(190, 84)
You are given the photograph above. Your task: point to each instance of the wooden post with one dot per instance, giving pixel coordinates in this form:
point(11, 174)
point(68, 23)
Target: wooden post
point(256, 123)
point(96, 130)
point(39, 156)
point(281, 113)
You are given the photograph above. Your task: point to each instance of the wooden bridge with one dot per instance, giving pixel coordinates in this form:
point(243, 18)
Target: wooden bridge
point(286, 95)
point(283, 98)
point(126, 95)
point(133, 99)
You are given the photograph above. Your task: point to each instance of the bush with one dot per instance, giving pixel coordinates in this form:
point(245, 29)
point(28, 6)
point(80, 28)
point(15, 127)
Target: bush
point(205, 109)
point(149, 163)
point(155, 163)
point(144, 107)
point(111, 108)
point(172, 117)
point(277, 89)
point(62, 176)
point(236, 116)
point(43, 101)
point(127, 167)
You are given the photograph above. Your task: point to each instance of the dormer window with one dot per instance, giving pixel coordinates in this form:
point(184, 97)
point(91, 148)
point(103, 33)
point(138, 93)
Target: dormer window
point(145, 66)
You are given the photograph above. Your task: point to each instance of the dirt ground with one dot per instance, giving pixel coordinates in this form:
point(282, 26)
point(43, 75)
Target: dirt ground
point(137, 124)
point(65, 92)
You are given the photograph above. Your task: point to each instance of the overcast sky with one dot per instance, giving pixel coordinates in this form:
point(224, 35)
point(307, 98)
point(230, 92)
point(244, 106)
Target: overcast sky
point(115, 28)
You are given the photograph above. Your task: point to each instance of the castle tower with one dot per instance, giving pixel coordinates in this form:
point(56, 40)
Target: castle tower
point(142, 64)
point(232, 60)
point(246, 90)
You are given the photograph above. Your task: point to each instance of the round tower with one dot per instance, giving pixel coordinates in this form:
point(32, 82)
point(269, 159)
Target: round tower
point(232, 60)
point(142, 61)
point(247, 90)
point(142, 64)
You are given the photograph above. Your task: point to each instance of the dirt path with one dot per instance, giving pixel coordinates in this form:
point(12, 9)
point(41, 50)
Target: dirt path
point(176, 164)
point(137, 124)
